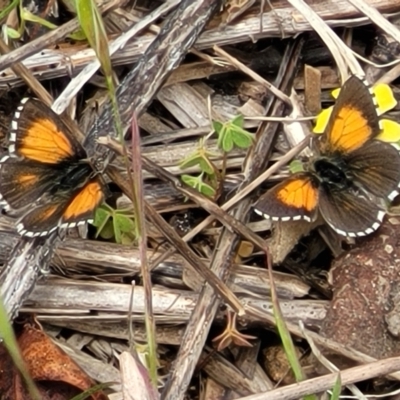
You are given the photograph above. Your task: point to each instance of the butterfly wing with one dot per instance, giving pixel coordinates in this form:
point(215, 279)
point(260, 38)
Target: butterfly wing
point(23, 181)
point(83, 203)
point(65, 211)
point(38, 134)
point(295, 198)
point(354, 120)
point(376, 167)
point(349, 214)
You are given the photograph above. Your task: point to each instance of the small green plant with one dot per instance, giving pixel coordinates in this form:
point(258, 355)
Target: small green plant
point(296, 166)
point(115, 224)
point(207, 182)
point(26, 15)
point(201, 157)
point(230, 134)
point(337, 389)
point(7, 9)
point(11, 33)
point(196, 182)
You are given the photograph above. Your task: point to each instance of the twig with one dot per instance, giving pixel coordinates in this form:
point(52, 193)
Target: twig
point(323, 383)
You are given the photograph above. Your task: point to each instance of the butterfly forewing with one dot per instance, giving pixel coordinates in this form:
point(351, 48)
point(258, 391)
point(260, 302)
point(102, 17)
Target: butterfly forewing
point(354, 120)
point(21, 183)
point(38, 134)
point(348, 214)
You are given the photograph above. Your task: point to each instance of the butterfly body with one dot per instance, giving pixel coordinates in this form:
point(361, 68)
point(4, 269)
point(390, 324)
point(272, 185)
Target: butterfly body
point(72, 175)
point(352, 175)
point(332, 173)
point(46, 175)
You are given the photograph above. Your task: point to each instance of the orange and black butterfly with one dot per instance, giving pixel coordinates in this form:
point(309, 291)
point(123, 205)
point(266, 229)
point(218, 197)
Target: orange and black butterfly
point(46, 175)
point(352, 176)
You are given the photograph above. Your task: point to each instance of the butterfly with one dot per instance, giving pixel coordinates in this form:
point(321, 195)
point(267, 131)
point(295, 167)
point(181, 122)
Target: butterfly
point(46, 176)
point(351, 176)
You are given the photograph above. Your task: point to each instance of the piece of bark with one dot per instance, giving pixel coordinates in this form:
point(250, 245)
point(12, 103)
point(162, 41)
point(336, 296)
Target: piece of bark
point(365, 283)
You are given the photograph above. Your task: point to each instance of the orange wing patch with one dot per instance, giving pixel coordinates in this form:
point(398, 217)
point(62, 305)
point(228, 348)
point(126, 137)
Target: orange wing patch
point(299, 193)
point(350, 130)
point(48, 211)
point(42, 141)
point(27, 179)
point(84, 202)
point(294, 199)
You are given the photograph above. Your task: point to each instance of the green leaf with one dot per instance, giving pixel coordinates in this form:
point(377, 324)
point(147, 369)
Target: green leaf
point(112, 223)
point(117, 232)
point(107, 231)
point(238, 121)
point(196, 182)
point(207, 190)
point(227, 142)
point(101, 219)
point(232, 134)
point(125, 224)
point(189, 180)
point(127, 239)
point(337, 389)
point(12, 33)
point(242, 138)
point(26, 15)
point(7, 9)
point(206, 165)
point(217, 126)
point(92, 25)
point(296, 166)
point(101, 216)
point(190, 161)
point(201, 157)
point(221, 135)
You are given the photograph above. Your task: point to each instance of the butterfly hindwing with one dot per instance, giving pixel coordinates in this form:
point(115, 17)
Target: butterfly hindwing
point(348, 214)
point(38, 134)
point(42, 219)
point(295, 198)
point(376, 167)
point(64, 210)
point(83, 203)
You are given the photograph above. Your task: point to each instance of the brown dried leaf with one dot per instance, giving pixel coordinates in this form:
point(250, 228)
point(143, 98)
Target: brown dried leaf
point(57, 376)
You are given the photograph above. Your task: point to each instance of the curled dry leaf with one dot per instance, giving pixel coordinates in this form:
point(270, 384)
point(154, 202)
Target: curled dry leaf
point(56, 375)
